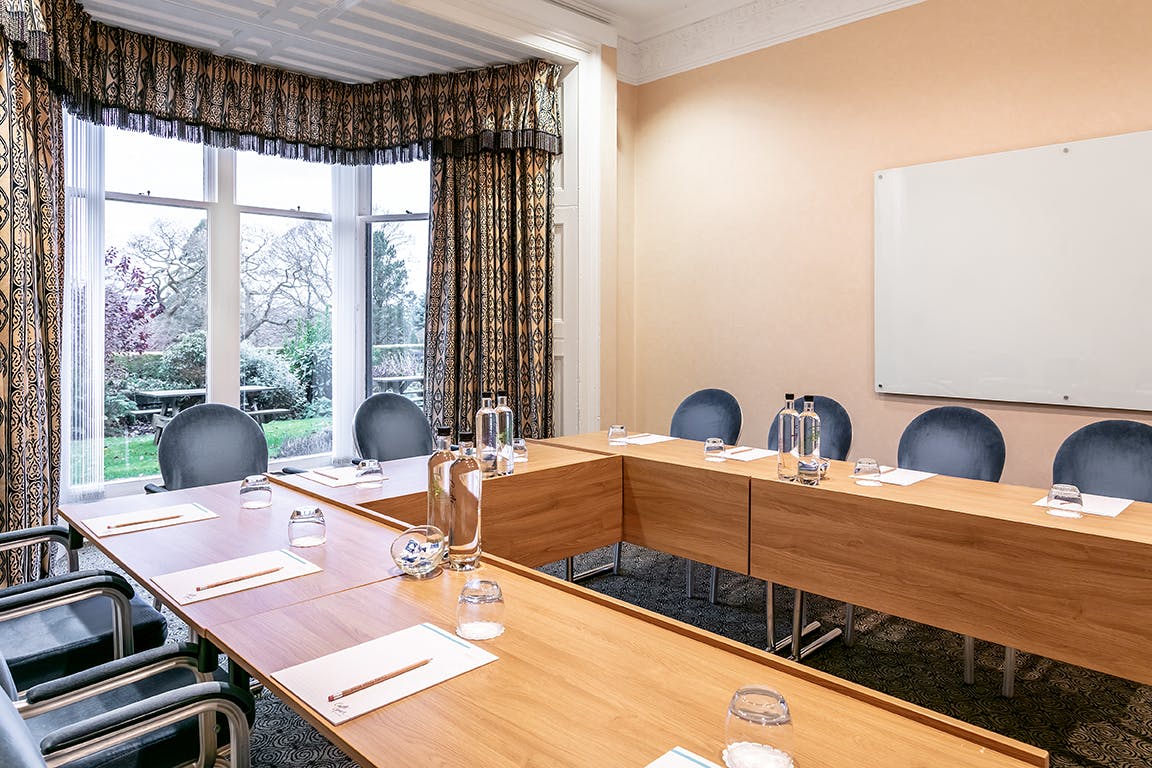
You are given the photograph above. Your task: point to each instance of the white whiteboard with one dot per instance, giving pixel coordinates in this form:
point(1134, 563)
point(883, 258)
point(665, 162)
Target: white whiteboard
point(1023, 276)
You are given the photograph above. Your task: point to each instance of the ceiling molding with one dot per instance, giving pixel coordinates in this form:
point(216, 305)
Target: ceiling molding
point(743, 29)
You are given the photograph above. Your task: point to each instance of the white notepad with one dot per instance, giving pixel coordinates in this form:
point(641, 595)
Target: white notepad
point(208, 581)
point(899, 476)
point(146, 519)
point(744, 453)
point(678, 757)
point(646, 439)
point(334, 477)
point(314, 681)
point(1104, 506)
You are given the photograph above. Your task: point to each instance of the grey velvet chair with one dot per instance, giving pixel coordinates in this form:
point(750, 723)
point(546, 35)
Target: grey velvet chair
point(151, 710)
point(703, 414)
point(210, 443)
point(835, 442)
point(70, 622)
point(959, 442)
point(389, 426)
point(1107, 458)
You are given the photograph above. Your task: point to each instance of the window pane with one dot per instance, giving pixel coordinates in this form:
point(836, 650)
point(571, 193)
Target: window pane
point(154, 303)
point(274, 182)
point(398, 276)
point(400, 188)
point(140, 164)
point(286, 331)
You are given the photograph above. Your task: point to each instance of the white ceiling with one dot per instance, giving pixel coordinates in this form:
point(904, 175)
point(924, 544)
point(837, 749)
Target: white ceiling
point(349, 40)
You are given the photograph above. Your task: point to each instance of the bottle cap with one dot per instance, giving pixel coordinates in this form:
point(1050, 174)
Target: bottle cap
point(486, 393)
point(809, 398)
point(443, 431)
point(501, 393)
point(467, 437)
point(789, 396)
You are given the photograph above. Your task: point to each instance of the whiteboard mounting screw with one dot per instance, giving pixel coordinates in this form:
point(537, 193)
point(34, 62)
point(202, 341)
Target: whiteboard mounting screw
point(879, 175)
point(1065, 397)
point(1066, 150)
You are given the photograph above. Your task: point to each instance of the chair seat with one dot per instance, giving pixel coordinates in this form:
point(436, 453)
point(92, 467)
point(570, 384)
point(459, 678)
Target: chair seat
point(60, 641)
point(176, 745)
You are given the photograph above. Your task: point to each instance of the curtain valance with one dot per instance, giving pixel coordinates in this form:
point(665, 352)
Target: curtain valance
point(22, 23)
point(131, 80)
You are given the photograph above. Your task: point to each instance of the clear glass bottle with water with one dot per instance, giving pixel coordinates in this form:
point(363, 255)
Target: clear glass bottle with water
point(487, 435)
point(465, 484)
point(808, 462)
point(505, 454)
point(439, 482)
point(787, 437)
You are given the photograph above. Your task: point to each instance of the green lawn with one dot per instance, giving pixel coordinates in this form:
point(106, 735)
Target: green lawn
point(126, 457)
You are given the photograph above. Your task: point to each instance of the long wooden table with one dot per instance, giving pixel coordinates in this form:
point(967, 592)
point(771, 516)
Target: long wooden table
point(559, 503)
point(969, 556)
point(581, 680)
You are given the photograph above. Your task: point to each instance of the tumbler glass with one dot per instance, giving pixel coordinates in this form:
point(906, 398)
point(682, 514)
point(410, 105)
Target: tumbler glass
point(255, 492)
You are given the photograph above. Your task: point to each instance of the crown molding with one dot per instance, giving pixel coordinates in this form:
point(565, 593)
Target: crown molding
point(743, 29)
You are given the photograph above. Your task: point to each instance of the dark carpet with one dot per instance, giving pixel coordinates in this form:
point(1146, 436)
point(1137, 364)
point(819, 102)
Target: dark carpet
point(1082, 718)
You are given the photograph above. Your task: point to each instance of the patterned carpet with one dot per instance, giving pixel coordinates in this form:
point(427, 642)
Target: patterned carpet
point(1082, 718)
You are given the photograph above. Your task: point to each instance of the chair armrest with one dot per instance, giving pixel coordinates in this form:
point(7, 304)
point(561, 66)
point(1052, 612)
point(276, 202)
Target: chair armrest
point(22, 599)
point(28, 536)
point(129, 722)
point(355, 460)
point(129, 669)
point(153, 488)
point(51, 581)
point(292, 471)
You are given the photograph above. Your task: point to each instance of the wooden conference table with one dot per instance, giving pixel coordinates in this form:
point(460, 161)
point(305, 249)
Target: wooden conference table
point(969, 556)
point(581, 680)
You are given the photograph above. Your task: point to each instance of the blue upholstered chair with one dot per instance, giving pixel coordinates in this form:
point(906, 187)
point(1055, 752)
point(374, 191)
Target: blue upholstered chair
point(704, 414)
point(959, 442)
point(69, 622)
point(210, 443)
point(1108, 458)
point(153, 709)
point(390, 426)
point(835, 442)
point(835, 428)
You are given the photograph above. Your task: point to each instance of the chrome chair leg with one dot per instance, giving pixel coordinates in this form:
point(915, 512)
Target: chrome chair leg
point(569, 569)
point(797, 622)
point(616, 558)
point(849, 635)
point(1008, 685)
point(712, 585)
point(969, 660)
point(688, 577)
point(770, 616)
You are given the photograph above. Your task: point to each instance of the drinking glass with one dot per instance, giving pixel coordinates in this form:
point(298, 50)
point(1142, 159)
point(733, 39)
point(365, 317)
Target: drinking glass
point(480, 610)
point(255, 492)
point(713, 448)
point(617, 434)
point(369, 474)
point(866, 471)
point(306, 527)
point(419, 550)
point(520, 448)
point(1065, 501)
point(758, 731)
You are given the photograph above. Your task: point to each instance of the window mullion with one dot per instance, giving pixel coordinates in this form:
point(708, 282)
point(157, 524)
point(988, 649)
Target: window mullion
point(223, 369)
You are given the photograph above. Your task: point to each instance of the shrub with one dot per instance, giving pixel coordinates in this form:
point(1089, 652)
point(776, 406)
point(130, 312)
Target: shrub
point(266, 368)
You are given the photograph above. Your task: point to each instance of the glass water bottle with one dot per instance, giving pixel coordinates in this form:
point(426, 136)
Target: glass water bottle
point(505, 453)
point(439, 482)
point(465, 484)
point(787, 437)
point(808, 464)
point(487, 435)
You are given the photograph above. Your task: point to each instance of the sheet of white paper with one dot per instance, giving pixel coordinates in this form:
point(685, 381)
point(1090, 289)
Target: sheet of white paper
point(744, 453)
point(678, 757)
point(334, 477)
point(1104, 506)
point(181, 586)
point(314, 681)
point(648, 439)
point(143, 520)
point(903, 476)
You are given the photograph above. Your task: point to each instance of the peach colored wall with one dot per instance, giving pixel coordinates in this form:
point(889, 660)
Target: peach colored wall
point(753, 184)
point(624, 379)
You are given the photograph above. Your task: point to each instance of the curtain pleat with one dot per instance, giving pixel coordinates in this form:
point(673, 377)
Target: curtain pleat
point(31, 278)
point(489, 321)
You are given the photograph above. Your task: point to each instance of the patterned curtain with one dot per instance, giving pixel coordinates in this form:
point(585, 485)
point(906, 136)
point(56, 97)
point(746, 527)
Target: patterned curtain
point(22, 22)
point(31, 274)
point(131, 80)
point(489, 322)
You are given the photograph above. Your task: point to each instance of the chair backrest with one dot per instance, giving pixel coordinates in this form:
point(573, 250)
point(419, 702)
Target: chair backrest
point(707, 413)
point(955, 441)
point(835, 428)
point(390, 426)
point(211, 443)
point(18, 749)
point(1109, 458)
